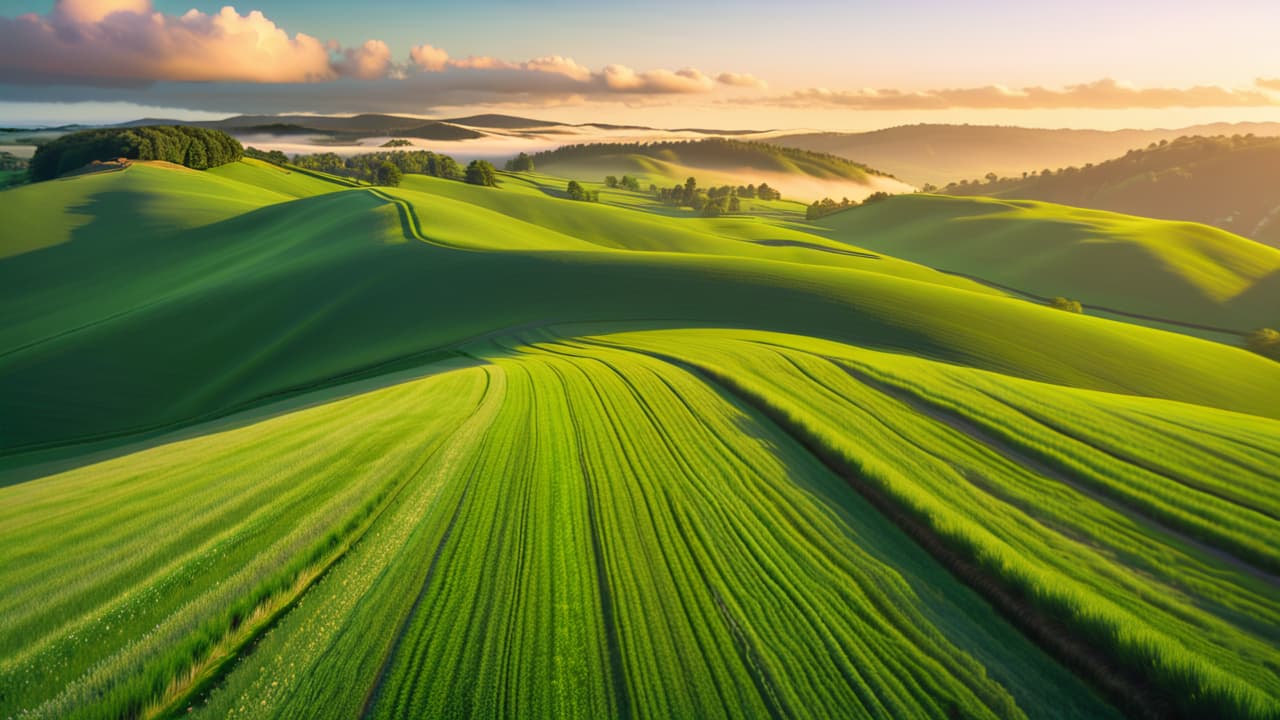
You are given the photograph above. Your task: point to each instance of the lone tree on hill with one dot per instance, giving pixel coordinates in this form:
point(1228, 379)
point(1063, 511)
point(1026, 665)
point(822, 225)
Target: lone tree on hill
point(482, 172)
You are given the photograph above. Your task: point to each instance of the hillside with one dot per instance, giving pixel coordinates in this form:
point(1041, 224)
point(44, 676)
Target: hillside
point(941, 154)
point(800, 174)
point(275, 446)
point(1228, 182)
point(1179, 271)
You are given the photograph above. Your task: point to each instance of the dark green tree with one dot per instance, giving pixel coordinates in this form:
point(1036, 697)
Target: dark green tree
point(388, 174)
point(521, 163)
point(481, 172)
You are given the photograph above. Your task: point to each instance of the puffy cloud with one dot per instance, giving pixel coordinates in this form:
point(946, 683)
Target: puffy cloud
point(428, 58)
point(612, 79)
point(559, 65)
point(740, 80)
point(126, 43)
point(1269, 83)
point(123, 41)
point(619, 78)
point(369, 61)
point(1103, 94)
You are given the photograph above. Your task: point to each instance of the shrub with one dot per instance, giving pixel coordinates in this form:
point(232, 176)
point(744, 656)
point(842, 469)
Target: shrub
point(1265, 342)
point(1061, 303)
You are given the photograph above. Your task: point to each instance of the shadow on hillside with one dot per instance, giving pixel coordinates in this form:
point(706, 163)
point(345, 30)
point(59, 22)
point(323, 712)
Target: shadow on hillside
point(18, 469)
point(116, 222)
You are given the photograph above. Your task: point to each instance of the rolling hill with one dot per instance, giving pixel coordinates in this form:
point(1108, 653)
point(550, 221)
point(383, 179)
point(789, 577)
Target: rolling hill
point(940, 154)
point(1184, 272)
point(715, 161)
point(1228, 182)
point(275, 446)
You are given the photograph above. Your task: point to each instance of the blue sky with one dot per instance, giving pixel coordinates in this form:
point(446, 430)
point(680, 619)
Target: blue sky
point(908, 45)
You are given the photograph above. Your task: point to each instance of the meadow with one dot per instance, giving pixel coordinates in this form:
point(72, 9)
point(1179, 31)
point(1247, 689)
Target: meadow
point(280, 445)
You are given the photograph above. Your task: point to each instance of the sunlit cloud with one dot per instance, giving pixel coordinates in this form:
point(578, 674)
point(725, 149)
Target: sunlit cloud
point(1106, 94)
point(126, 43)
point(612, 78)
point(746, 80)
point(1268, 83)
point(370, 61)
point(84, 41)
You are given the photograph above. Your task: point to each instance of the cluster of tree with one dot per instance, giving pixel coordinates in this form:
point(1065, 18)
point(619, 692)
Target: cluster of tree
point(1265, 342)
point(1061, 303)
point(520, 163)
point(717, 152)
point(369, 166)
point(275, 157)
point(482, 172)
point(626, 182)
point(397, 142)
point(196, 148)
point(581, 194)
point(827, 206)
point(712, 202)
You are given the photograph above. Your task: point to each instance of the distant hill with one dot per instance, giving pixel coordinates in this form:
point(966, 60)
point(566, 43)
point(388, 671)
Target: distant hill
point(502, 122)
point(1228, 182)
point(798, 174)
point(714, 154)
point(940, 154)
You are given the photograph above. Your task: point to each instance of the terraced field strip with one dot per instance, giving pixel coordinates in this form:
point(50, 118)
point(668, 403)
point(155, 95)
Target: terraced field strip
point(1201, 631)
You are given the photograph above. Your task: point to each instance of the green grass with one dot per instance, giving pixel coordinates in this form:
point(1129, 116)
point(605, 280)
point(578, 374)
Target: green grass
point(1180, 271)
point(275, 446)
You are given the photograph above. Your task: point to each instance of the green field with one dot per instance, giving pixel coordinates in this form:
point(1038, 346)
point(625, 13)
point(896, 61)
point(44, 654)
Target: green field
point(277, 446)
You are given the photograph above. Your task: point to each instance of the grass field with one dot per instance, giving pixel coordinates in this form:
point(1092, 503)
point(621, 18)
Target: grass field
point(1182, 271)
point(275, 446)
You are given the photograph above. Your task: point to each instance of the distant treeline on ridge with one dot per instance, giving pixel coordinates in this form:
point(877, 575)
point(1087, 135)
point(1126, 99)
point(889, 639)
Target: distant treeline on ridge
point(713, 152)
point(194, 147)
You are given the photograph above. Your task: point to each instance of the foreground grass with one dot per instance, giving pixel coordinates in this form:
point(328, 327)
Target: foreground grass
point(924, 499)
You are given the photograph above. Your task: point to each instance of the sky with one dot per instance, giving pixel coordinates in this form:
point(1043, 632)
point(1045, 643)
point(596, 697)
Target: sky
point(853, 64)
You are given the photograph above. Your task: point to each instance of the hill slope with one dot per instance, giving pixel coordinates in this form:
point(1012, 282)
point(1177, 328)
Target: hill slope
point(940, 154)
point(1179, 271)
point(1228, 182)
point(272, 446)
point(716, 161)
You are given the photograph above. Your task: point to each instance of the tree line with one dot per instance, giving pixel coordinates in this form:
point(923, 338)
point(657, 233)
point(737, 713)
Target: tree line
point(827, 206)
point(386, 168)
point(193, 147)
point(711, 152)
point(713, 201)
point(1179, 155)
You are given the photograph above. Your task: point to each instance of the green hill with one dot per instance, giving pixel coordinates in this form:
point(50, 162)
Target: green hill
point(1179, 271)
point(274, 446)
point(717, 161)
point(1229, 182)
